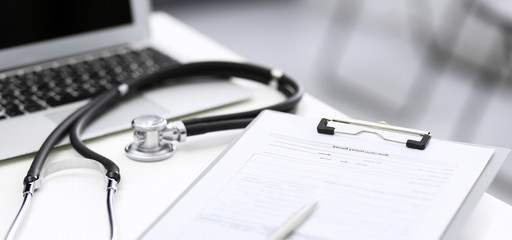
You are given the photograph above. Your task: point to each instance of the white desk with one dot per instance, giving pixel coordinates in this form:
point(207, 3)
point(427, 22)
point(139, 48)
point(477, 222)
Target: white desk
point(72, 205)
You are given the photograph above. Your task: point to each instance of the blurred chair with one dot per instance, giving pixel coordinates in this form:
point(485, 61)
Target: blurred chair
point(465, 31)
point(375, 53)
point(479, 33)
point(499, 13)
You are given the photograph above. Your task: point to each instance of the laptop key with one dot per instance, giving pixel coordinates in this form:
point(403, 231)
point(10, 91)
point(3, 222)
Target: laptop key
point(13, 110)
point(33, 107)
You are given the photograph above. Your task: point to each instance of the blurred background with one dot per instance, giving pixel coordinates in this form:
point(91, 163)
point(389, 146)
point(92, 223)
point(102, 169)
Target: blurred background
point(436, 65)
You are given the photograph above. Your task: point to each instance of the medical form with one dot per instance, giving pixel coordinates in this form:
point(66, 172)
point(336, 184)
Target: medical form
point(367, 188)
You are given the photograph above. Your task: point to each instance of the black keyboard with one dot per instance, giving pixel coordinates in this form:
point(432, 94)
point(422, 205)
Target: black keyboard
point(44, 88)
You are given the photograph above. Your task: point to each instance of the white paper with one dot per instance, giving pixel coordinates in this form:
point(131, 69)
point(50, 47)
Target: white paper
point(367, 188)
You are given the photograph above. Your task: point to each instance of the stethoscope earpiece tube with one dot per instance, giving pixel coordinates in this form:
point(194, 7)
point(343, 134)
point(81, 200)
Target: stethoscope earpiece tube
point(98, 106)
point(53, 139)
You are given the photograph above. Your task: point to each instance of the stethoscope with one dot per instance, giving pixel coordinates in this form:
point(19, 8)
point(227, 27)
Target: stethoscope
point(153, 136)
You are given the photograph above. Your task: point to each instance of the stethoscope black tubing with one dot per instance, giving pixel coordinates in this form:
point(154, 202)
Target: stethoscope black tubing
point(200, 128)
point(291, 89)
point(99, 105)
point(78, 121)
point(53, 139)
point(293, 98)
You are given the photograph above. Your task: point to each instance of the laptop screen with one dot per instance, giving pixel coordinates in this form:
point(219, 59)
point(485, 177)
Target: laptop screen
point(30, 21)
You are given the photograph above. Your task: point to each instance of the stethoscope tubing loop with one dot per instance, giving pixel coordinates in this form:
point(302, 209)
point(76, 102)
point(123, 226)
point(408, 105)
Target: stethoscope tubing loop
point(80, 119)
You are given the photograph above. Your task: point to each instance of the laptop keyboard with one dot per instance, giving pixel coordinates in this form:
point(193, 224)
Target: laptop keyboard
point(28, 92)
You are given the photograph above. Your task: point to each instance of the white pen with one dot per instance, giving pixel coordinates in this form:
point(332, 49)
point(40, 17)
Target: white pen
point(293, 222)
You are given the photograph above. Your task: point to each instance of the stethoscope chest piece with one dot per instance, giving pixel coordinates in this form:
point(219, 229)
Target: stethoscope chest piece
point(149, 144)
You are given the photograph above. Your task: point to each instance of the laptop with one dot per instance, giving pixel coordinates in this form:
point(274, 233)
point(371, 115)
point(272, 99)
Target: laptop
point(55, 55)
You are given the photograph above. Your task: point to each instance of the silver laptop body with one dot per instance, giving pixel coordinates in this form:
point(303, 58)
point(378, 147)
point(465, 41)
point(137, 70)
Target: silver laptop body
point(23, 133)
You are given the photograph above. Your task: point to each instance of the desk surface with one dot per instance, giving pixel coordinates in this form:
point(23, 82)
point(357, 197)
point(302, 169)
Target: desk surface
point(72, 205)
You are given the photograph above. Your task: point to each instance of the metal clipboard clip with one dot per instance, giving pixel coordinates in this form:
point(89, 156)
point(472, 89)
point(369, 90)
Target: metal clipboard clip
point(421, 144)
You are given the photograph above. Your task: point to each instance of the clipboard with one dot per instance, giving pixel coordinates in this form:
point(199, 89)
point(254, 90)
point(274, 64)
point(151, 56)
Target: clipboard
point(189, 207)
